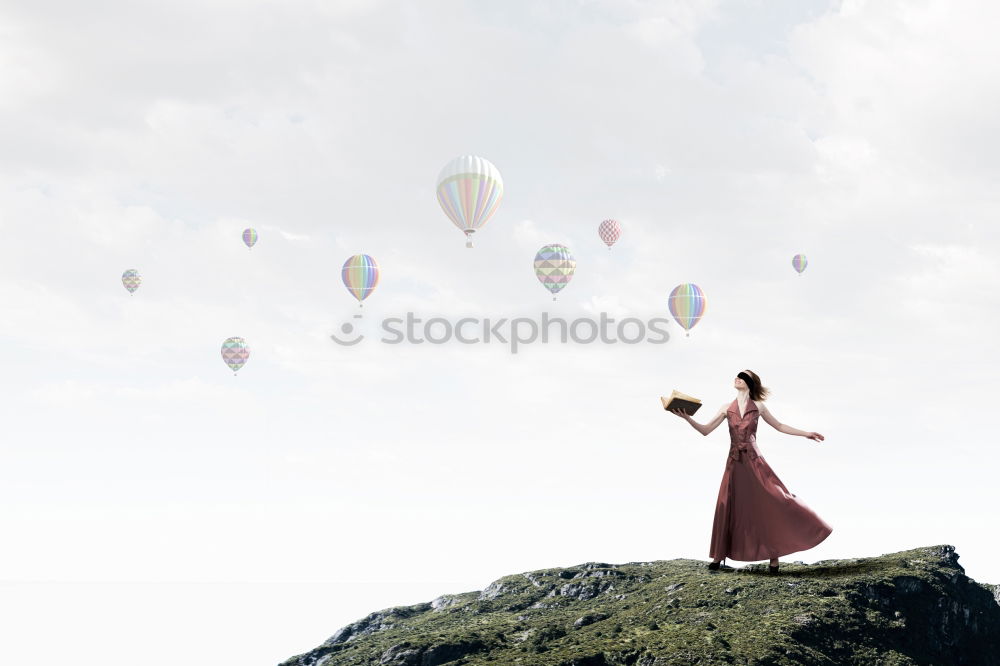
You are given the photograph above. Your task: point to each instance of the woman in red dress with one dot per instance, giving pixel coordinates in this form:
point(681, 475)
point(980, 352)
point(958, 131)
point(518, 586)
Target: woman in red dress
point(755, 516)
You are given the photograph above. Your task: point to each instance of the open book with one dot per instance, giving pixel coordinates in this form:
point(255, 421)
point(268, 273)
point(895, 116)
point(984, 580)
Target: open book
point(678, 400)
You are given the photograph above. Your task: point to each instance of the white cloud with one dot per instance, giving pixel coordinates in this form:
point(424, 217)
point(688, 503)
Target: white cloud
point(287, 235)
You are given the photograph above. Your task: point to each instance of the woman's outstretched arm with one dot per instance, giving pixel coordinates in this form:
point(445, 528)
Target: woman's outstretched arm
point(707, 427)
point(787, 429)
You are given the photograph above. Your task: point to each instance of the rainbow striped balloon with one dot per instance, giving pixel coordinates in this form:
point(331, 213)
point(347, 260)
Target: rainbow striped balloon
point(235, 353)
point(250, 236)
point(360, 275)
point(609, 231)
point(131, 279)
point(687, 305)
point(799, 263)
point(554, 267)
point(469, 190)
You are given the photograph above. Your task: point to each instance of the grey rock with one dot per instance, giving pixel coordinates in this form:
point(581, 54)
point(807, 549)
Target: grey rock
point(442, 602)
point(589, 618)
point(492, 591)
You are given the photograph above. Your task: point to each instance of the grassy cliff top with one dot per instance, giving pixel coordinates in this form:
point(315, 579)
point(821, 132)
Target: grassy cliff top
point(911, 607)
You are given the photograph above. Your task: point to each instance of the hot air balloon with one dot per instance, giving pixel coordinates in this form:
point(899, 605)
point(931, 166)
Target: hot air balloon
point(609, 231)
point(250, 236)
point(687, 305)
point(131, 279)
point(554, 267)
point(360, 275)
point(799, 263)
point(235, 353)
point(469, 190)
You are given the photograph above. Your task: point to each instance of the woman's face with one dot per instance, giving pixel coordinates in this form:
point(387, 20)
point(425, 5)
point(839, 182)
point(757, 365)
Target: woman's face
point(739, 383)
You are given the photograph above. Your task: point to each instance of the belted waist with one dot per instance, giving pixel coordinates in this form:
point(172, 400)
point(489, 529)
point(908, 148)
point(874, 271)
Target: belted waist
point(742, 452)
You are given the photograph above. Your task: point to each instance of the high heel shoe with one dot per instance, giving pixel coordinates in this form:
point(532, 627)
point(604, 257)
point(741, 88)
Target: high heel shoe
point(715, 565)
point(772, 569)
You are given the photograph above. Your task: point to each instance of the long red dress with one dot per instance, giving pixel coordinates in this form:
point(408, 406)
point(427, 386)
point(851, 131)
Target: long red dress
point(756, 518)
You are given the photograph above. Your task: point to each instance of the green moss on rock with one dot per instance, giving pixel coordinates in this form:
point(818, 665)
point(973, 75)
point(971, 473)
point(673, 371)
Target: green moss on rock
point(912, 607)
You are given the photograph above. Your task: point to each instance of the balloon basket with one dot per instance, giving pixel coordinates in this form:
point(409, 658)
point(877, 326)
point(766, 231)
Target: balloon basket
point(468, 243)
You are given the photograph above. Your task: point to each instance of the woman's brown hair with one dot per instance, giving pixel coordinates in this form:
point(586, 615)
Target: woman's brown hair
point(758, 391)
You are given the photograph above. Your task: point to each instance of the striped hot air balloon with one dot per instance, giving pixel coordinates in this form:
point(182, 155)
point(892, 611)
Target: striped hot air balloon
point(554, 267)
point(687, 305)
point(250, 236)
point(609, 231)
point(131, 279)
point(799, 263)
point(235, 353)
point(360, 274)
point(469, 190)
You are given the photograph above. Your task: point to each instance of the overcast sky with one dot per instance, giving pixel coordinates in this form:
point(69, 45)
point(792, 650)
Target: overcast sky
point(149, 487)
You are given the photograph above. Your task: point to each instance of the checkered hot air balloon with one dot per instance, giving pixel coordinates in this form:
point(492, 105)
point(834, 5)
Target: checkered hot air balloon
point(131, 279)
point(250, 236)
point(799, 263)
point(609, 231)
point(687, 305)
point(235, 353)
point(360, 275)
point(469, 190)
point(554, 267)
